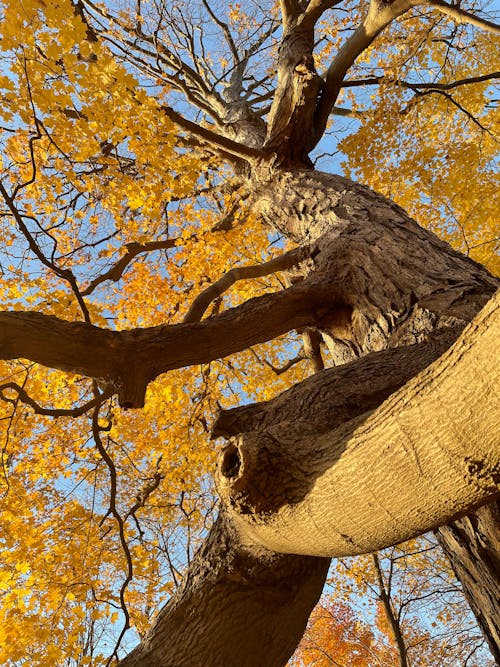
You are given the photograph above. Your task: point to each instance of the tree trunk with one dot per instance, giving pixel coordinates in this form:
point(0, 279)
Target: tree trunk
point(305, 206)
point(239, 606)
point(322, 470)
point(473, 546)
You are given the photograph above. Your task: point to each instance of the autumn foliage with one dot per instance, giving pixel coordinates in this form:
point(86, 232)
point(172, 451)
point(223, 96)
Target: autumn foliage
point(113, 214)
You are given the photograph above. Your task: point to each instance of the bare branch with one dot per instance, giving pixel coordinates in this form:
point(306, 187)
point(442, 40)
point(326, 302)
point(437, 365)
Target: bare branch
point(279, 370)
point(23, 395)
point(385, 598)
point(203, 300)
point(65, 274)
point(216, 141)
point(113, 510)
point(379, 16)
point(416, 85)
point(469, 115)
point(225, 29)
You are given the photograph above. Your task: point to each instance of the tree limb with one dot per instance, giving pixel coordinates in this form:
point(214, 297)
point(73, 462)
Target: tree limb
point(241, 602)
point(427, 455)
point(281, 263)
point(23, 395)
point(415, 85)
point(133, 249)
point(131, 359)
point(237, 606)
point(379, 16)
point(216, 141)
point(460, 15)
point(339, 394)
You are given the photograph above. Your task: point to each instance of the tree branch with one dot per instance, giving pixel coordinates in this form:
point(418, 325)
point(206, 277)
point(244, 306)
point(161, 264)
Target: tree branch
point(129, 360)
point(281, 263)
point(461, 16)
point(415, 85)
point(23, 395)
point(379, 16)
point(427, 455)
point(384, 597)
point(133, 249)
point(236, 606)
point(238, 599)
point(216, 141)
point(336, 395)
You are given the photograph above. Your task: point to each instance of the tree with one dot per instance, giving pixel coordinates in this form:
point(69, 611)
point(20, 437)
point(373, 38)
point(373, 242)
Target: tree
point(335, 637)
point(133, 151)
point(417, 613)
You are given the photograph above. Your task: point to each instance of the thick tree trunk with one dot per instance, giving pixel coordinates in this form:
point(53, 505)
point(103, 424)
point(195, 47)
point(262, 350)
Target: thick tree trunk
point(239, 606)
point(363, 477)
point(473, 546)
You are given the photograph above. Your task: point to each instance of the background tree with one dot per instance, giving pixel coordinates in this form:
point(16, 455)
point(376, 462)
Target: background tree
point(402, 606)
point(164, 231)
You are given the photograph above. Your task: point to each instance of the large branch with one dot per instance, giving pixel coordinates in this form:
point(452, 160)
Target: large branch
point(217, 289)
point(429, 454)
point(218, 142)
point(129, 360)
point(378, 17)
point(337, 395)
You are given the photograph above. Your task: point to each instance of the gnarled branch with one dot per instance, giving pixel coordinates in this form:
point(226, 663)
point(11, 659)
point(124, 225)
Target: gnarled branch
point(427, 455)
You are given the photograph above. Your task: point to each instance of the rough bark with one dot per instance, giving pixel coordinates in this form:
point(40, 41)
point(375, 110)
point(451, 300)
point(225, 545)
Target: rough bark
point(238, 607)
point(473, 546)
point(302, 213)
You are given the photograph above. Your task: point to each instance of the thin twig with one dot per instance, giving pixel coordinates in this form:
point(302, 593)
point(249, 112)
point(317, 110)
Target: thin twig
point(24, 397)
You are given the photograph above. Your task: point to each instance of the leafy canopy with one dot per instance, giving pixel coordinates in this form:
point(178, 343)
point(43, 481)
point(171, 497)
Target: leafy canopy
point(116, 213)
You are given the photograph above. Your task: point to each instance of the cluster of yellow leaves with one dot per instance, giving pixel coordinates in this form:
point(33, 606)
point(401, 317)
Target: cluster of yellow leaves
point(434, 153)
point(99, 166)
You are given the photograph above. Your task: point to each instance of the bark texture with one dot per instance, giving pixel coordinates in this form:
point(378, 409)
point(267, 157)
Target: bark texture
point(238, 607)
point(381, 478)
point(473, 546)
